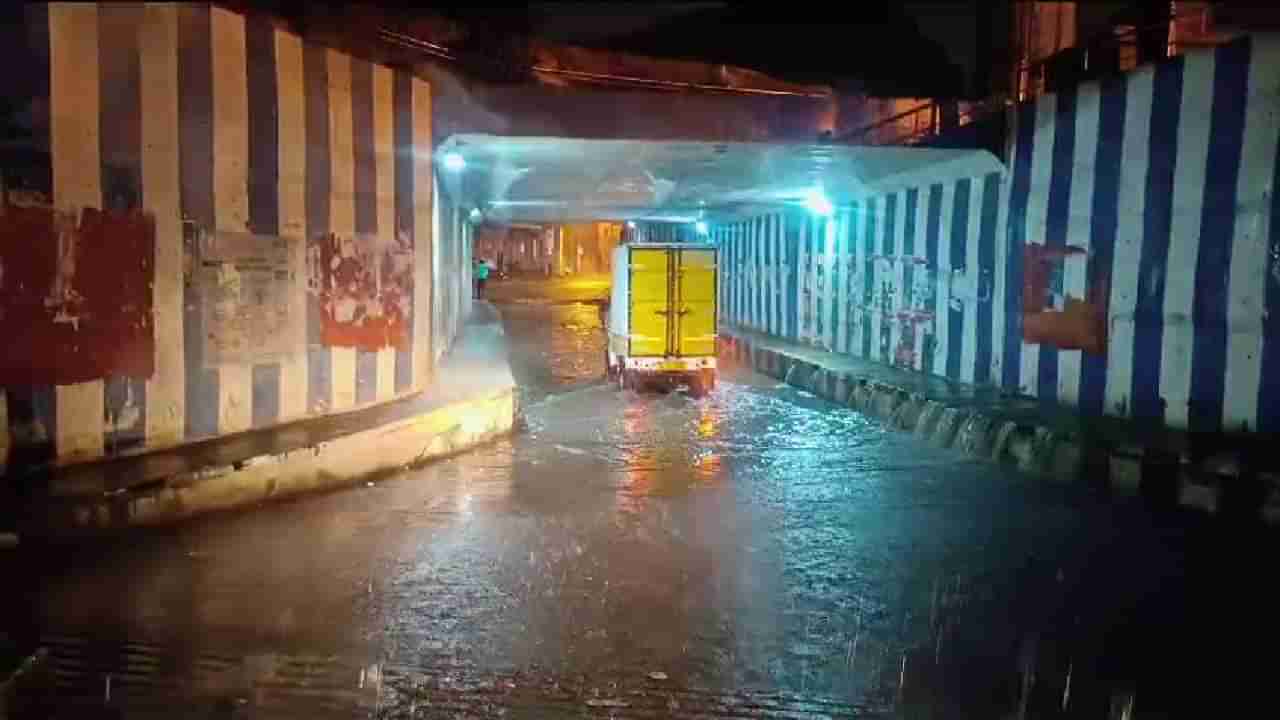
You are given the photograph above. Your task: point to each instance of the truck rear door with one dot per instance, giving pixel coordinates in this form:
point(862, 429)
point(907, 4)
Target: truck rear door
point(696, 297)
point(650, 301)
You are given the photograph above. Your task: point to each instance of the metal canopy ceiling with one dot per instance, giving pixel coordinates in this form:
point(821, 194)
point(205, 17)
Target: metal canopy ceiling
point(551, 179)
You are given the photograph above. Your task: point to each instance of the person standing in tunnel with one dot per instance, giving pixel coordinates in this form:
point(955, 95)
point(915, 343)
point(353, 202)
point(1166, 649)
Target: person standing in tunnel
point(481, 276)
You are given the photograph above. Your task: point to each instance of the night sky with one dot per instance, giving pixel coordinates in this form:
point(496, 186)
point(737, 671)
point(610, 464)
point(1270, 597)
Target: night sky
point(881, 48)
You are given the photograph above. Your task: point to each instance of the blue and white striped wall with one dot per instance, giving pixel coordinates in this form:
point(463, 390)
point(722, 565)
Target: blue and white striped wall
point(232, 124)
point(451, 295)
point(866, 281)
point(664, 232)
point(1166, 176)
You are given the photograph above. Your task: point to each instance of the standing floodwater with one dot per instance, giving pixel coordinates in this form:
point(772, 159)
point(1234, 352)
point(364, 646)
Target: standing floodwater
point(757, 553)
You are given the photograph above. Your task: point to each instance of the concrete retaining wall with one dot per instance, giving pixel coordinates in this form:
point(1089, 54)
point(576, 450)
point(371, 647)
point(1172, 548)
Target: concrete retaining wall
point(209, 122)
point(1123, 266)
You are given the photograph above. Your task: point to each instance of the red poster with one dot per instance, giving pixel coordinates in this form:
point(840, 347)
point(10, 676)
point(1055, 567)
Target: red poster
point(1050, 315)
point(75, 295)
point(364, 286)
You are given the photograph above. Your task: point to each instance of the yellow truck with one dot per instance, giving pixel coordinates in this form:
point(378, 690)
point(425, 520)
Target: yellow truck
point(662, 316)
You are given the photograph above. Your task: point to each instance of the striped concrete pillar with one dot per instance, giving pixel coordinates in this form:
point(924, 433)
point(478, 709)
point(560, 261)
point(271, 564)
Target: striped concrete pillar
point(897, 244)
point(853, 279)
point(1132, 189)
point(983, 255)
point(829, 285)
point(1253, 314)
point(74, 110)
point(1077, 226)
point(158, 68)
point(861, 280)
point(342, 206)
point(230, 155)
point(375, 204)
point(877, 238)
point(973, 275)
point(915, 273)
point(841, 266)
point(942, 299)
point(956, 222)
point(291, 193)
point(1035, 219)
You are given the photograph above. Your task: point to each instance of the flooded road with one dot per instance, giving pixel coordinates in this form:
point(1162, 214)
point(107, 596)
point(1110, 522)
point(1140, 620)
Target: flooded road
point(756, 553)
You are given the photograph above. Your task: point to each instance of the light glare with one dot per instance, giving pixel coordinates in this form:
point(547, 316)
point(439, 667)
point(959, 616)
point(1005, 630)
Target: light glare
point(817, 203)
point(454, 162)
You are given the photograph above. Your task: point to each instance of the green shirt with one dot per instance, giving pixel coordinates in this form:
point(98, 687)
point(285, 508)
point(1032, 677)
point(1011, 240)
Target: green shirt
point(482, 271)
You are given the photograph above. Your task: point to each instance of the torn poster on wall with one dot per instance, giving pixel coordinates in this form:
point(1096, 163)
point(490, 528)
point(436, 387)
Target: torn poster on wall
point(244, 283)
point(1050, 314)
point(364, 287)
point(75, 290)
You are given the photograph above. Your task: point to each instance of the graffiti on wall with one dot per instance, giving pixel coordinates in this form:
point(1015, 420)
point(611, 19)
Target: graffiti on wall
point(915, 314)
point(1050, 314)
point(244, 283)
point(76, 288)
point(903, 296)
point(364, 285)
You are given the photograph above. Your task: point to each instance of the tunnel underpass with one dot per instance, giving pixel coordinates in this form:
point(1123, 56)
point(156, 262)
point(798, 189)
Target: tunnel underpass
point(759, 552)
point(556, 180)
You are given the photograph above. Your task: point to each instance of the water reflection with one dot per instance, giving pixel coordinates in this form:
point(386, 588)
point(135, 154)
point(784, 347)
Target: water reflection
point(706, 468)
point(708, 421)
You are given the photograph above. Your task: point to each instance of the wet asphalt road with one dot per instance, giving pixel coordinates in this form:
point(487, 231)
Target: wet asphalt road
point(757, 553)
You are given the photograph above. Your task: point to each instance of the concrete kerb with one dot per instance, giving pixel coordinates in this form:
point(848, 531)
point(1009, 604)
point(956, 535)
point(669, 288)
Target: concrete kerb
point(1152, 471)
point(1002, 446)
point(797, 375)
point(928, 419)
point(820, 383)
point(844, 385)
point(976, 436)
point(908, 413)
point(944, 434)
point(343, 461)
point(860, 397)
point(887, 399)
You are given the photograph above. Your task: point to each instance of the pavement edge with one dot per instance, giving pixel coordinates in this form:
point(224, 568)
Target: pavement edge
point(348, 460)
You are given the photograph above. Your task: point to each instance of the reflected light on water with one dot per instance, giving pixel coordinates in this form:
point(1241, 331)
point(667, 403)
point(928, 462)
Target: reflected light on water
point(640, 461)
point(707, 424)
point(707, 467)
